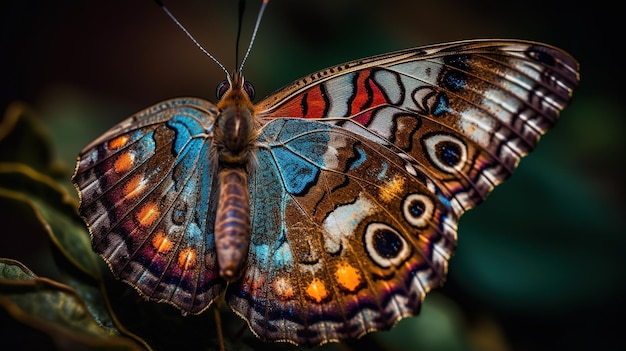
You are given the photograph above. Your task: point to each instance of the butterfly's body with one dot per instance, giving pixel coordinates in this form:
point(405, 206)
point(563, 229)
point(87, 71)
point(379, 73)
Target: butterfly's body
point(330, 208)
point(234, 143)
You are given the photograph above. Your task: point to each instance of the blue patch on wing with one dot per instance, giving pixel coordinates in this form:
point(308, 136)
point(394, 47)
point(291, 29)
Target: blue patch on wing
point(192, 175)
point(144, 148)
point(298, 174)
point(266, 201)
point(358, 158)
point(298, 147)
point(441, 105)
point(185, 129)
point(283, 256)
point(311, 146)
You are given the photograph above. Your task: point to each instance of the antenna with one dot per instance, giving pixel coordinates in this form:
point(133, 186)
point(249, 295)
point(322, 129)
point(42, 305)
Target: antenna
point(242, 9)
point(160, 3)
point(256, 28)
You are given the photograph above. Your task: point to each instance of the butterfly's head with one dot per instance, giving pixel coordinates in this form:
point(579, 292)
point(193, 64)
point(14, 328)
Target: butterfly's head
point(237, 82)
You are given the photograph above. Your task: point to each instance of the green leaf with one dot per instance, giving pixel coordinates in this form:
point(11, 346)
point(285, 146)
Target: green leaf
point(23, 139)
point(32, 194)
point(54, 210)
point(55, 309)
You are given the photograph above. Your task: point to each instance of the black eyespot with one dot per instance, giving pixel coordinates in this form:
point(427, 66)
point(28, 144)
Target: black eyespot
point(222, 88)
point(417, 208)
point(249, 89)
point(387, 243)
point(448, 153)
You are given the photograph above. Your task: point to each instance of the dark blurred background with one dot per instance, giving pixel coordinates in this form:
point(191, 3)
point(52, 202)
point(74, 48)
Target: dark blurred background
point(539, 266)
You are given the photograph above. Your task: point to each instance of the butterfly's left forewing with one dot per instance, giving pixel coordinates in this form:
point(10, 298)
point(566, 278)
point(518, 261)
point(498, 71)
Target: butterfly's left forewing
point(145, 189)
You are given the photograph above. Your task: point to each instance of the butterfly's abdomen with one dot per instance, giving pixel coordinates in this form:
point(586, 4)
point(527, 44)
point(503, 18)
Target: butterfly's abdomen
point(232, 222)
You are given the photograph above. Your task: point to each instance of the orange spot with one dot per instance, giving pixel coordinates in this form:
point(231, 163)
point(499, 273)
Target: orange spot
point(124, 162)
point(134, 186)
point(148, 214)
point(347, 276)
point(118, 142)
point(187, 258)
point(392, 188)
point(317, 290)
point(282, 287)
point(161, 243)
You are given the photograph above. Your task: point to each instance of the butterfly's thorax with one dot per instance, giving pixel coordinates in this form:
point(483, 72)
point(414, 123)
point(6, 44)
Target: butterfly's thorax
point(235, 134)
point(234, 141)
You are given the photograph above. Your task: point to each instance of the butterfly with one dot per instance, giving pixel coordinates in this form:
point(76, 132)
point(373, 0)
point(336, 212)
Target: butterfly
point(328, 209)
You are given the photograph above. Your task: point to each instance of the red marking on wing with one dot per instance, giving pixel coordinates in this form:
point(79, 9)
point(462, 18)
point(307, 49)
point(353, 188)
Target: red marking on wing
point(361, 96)
point(363, 118)
point(316, 105)
point(309, 104)
point(313, 102)
point(291, 108)
point(368, 96)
